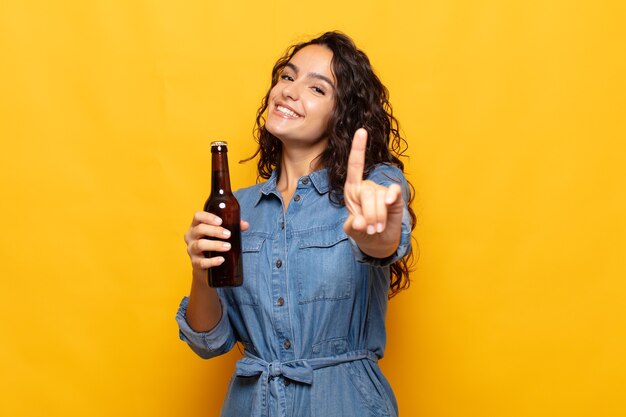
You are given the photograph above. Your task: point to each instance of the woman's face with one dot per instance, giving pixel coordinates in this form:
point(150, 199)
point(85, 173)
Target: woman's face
point(302, 101)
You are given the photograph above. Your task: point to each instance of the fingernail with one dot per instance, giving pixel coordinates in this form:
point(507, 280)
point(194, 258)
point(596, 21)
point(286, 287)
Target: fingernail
point(218, 221)
point(379, 227)
point(220, 260)
point(226, 245)
point(226, 233)
point(371, 230)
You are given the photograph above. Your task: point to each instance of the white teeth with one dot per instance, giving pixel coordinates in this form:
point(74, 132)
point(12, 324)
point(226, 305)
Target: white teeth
point(286, 111)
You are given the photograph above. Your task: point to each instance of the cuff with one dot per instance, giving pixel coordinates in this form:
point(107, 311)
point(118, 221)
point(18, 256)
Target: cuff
point(206, 344)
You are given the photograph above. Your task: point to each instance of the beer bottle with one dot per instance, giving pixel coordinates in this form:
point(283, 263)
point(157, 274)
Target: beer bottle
point(223, 203)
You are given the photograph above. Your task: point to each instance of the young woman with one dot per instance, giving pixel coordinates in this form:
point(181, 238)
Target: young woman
point(326, 239)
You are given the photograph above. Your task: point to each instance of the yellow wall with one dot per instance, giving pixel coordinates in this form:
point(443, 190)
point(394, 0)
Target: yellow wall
point(515, 117)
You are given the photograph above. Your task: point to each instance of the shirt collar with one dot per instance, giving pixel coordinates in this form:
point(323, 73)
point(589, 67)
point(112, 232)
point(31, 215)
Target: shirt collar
point(318, 178)
point(268, 188)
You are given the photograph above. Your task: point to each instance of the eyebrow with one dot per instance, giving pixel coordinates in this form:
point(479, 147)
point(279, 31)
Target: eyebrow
point(312, 74)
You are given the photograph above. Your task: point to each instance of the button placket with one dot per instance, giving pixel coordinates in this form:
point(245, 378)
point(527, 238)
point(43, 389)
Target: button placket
point(281, 320)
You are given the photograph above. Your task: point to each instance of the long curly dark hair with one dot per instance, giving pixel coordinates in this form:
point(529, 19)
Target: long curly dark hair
point(361, 101)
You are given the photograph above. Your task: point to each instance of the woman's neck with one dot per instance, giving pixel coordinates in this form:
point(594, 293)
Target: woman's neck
point(294, 165)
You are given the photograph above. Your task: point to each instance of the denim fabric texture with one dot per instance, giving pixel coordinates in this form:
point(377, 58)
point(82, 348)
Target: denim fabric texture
point(311, 312)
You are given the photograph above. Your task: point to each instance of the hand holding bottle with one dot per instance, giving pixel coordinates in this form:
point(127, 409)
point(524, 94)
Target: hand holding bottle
point(198, 239)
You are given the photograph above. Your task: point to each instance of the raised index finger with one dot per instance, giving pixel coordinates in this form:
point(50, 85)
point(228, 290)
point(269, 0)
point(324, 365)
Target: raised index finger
point(356, 159)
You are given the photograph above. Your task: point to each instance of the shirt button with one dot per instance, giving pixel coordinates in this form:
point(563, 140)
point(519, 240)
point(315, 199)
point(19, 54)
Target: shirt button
point(282, 225)
point(305, 180)
point(297, 197)
point(286, 382)
point(287, 344)
point(280, 301)
point(279, 263)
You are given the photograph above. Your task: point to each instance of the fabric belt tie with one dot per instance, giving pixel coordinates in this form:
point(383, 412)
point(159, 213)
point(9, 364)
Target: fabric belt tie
point(299, 370)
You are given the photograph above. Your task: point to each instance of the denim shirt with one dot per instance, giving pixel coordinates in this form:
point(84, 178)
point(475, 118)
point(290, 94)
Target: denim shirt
point(311, 311)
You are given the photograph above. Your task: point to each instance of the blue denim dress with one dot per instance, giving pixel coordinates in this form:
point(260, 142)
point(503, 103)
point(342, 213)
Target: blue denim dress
point(311, 312)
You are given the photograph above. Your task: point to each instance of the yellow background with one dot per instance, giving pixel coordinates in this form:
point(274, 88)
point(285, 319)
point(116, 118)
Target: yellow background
point(514, 111)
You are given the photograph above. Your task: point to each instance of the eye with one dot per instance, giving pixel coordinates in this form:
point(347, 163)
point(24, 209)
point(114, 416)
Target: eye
point(286, 77)
point(318, 90)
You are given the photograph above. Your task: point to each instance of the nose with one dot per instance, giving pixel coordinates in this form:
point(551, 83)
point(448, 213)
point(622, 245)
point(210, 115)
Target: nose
point(291, 91)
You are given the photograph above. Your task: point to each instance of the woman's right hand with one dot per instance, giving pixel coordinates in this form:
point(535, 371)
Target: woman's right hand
point(198, 238)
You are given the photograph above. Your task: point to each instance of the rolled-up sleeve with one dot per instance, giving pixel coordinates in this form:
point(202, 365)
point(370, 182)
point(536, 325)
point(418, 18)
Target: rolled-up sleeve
point(215, 342)
point(387, 175)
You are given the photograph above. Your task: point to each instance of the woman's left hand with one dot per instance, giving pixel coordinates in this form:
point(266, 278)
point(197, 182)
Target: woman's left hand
point(374, 211)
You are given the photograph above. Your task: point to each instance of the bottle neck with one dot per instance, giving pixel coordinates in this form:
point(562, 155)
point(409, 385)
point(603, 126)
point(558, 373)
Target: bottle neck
point(220, 177)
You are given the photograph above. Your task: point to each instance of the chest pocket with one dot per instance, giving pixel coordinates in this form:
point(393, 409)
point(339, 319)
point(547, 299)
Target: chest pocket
point(248, 293)
point(325, 266)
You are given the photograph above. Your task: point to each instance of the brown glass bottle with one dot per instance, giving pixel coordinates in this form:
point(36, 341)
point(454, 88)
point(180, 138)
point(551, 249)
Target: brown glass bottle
point(223, 203)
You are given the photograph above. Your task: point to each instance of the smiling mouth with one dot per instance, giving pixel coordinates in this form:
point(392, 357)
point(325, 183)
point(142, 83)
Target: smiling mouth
point(287, 112)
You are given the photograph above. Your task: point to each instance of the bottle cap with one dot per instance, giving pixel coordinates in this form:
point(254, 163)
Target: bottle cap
point(219, 143)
